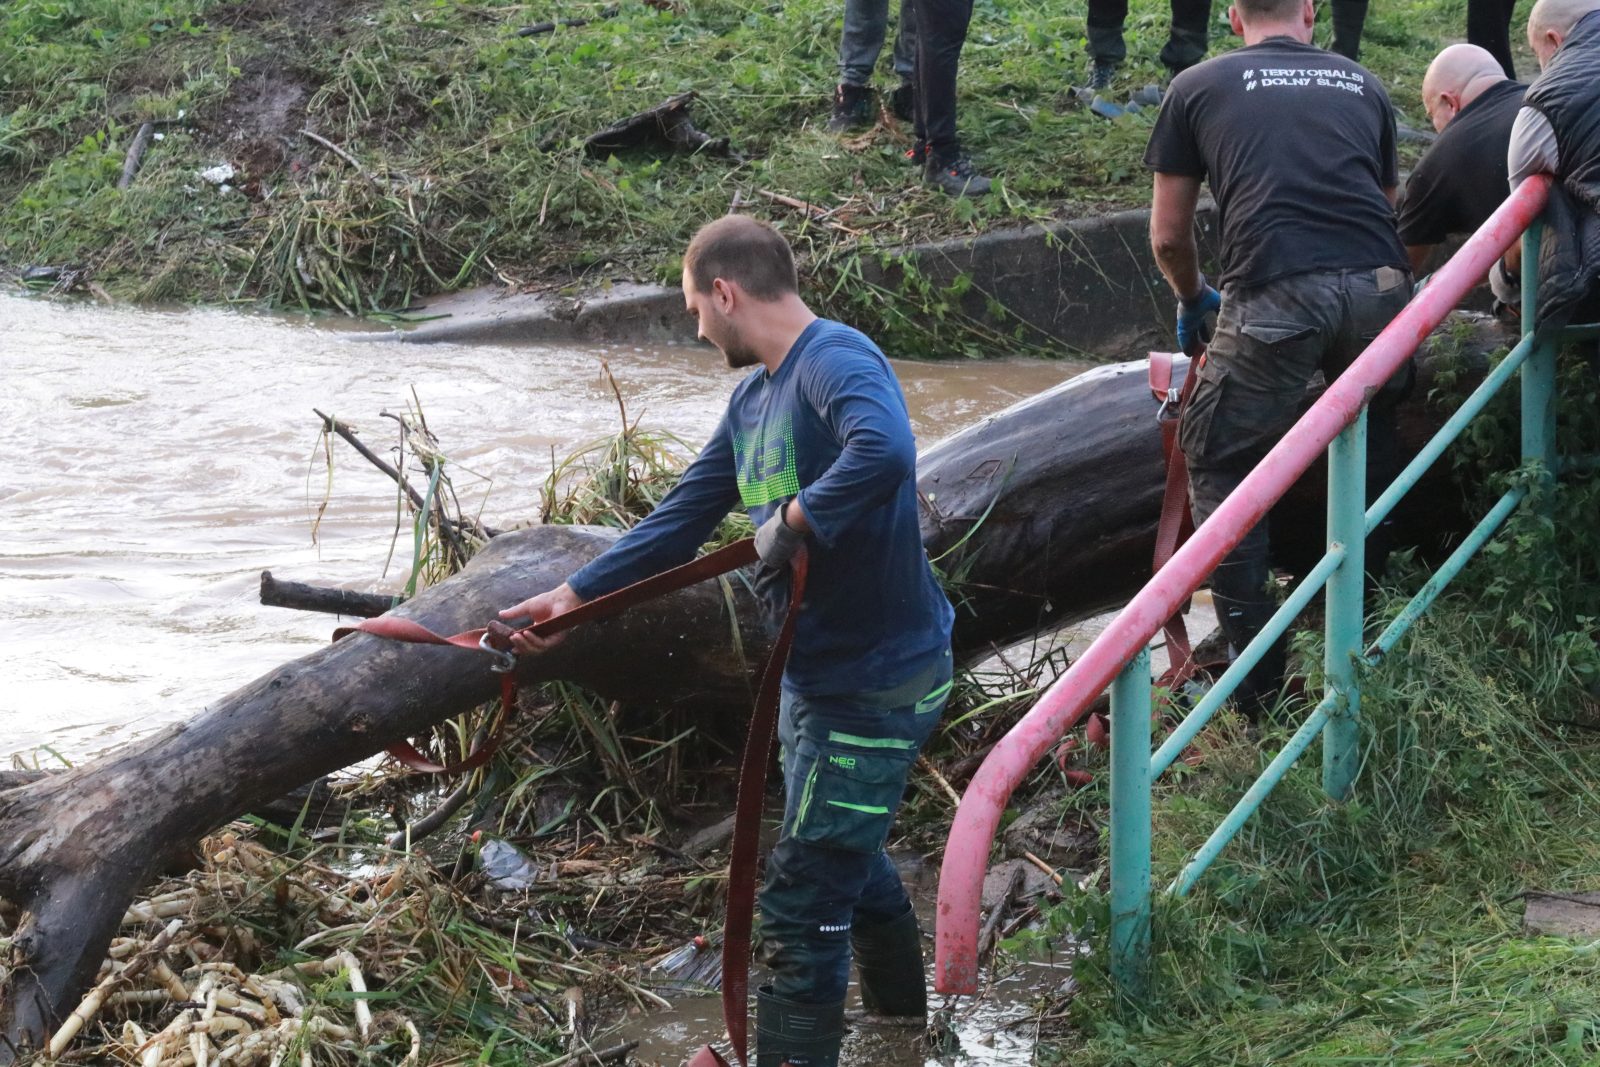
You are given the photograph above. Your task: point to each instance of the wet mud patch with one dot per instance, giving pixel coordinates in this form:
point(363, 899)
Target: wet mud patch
point(1000, 1027)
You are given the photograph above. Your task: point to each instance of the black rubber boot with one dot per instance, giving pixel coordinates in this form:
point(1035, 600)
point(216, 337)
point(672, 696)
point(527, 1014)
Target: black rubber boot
point(889, 961)
point(791, 1034)
point(1238, 591)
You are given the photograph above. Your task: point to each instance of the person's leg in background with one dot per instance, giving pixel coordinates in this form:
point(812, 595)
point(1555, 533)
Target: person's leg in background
point(1489, 27)
point(902, 99)
point(1190, 35)
point(1349, 17)
point(865, 24)
point(941, 30)
point(1106, 45)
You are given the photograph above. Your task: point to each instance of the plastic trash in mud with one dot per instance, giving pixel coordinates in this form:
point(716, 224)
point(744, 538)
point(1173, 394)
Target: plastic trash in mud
point(507, 866)
point(695, 966)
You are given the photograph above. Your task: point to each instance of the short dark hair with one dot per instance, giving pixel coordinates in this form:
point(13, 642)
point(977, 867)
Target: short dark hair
point(1270, 9)
point(744, 250)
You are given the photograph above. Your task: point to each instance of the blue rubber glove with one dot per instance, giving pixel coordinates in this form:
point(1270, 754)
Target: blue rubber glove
point(1192, 329)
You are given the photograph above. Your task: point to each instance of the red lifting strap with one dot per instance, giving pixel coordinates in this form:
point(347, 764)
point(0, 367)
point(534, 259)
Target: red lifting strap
point(498, 636)
point(1177, 522)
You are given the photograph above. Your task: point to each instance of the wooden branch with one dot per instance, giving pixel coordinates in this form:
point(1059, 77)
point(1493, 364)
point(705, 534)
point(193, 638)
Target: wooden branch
point(477, 529)
point(436, 818)
point(814, 212)
point(299, 595)
point(317, 138)
point(549, 27)
point(991, 925)
point(136, 151)
point(591, 1059)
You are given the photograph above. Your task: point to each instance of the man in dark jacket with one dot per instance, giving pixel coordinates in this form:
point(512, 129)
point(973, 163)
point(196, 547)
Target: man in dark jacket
point(1461, 179)
point(1298, 146)
point(816, 447)
point(1557, 132)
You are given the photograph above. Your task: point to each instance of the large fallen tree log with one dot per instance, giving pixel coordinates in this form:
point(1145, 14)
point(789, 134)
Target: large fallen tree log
point(1042, 513)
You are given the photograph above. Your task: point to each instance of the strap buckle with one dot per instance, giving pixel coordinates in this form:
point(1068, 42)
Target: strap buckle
point(1169, 405)
point(504, 661)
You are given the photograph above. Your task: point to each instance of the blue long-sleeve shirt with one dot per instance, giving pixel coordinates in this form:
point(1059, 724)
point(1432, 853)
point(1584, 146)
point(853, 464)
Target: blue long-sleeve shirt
point(830, 427)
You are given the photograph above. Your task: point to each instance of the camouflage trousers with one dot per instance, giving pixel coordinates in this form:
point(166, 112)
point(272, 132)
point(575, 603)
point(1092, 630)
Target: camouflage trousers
point(1271, 342)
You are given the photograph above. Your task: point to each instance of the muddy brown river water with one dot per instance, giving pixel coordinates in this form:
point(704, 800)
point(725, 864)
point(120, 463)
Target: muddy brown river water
point(160, 460)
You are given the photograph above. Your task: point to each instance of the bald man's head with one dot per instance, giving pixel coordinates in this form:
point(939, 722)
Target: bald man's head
point(1455, 78)
point(1551, 21)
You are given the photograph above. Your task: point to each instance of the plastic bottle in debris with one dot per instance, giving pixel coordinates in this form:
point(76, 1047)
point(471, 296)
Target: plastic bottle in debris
point(507, 866)
point(695, 965)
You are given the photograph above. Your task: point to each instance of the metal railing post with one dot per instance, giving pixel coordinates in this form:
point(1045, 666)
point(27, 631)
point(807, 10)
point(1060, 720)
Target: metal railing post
point(1345, 601)
point(1539, 372)
point(1130, 826)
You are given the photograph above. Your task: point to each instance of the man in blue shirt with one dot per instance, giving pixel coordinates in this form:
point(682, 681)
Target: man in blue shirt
point(817, 447)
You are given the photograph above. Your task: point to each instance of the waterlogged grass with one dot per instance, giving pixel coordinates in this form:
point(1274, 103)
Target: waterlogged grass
point(1388, 929)
point(467, 142)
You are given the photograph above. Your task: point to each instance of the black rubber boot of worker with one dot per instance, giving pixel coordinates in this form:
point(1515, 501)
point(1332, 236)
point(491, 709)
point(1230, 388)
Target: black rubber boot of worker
point(1349, 16)
point(1243, 607)
point(797, 1035)
point(889, 961)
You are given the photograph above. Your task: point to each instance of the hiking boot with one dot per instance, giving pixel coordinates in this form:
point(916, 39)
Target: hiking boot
point(916, 155)
point(955, 177)
point(1102, 75)
point(795, 1034)
point(902, 102)
point(852, 109)
point(889, 962)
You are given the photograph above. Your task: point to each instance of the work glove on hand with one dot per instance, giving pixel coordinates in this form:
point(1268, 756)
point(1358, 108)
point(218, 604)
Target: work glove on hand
point(777, 541)
point(1193, 330)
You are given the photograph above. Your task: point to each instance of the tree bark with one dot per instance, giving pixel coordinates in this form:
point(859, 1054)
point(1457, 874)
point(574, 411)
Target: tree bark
point(1043, 513)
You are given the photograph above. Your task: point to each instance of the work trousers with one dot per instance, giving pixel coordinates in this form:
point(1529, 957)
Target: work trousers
point(941, 30)
point(1186, 41)
point(1489, 27)
point(845, 764)
point(1270, 341)
point(866, 23)
point(1349, 18)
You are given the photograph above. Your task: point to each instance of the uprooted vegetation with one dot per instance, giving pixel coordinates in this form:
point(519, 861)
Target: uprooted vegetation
point(375, 150)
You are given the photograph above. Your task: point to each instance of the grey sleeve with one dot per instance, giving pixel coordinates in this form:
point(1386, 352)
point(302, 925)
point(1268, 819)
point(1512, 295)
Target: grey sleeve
point(1533, 147)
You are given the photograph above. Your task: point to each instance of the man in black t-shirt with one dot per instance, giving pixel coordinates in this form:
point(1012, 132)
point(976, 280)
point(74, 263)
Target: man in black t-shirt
point(1461, 179)
point(1298, 146)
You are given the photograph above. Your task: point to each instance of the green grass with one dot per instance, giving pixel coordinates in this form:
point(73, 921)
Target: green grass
point(469, 142)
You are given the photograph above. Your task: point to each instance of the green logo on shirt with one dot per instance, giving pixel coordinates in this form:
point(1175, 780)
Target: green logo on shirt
point(765, 463)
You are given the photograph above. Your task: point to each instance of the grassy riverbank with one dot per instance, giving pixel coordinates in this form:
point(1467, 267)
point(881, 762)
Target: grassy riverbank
point(448, 150)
